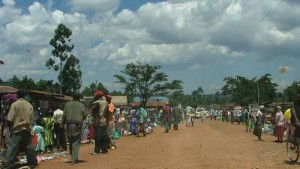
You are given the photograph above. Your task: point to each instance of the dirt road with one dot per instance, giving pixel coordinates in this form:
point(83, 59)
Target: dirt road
point(209, 145)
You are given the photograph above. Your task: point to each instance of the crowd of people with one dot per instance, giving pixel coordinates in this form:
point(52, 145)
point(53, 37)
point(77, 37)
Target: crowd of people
point(102, 123)
point(256, 120)
point(71, 124)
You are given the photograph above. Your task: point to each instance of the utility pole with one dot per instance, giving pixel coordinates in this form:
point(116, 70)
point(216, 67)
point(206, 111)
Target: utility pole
point(60, 87)
point(258, 93)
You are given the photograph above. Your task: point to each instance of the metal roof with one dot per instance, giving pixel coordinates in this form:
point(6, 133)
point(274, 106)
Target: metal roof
point(116, 100)
point(7, 89)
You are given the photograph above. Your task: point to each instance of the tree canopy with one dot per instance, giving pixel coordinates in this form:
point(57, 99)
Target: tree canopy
point(145, 81)
point(62, 60)
point(245, 91)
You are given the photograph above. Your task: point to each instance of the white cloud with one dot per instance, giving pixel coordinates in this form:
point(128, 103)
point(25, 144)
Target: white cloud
point(9, 2)
point(95, 6)
point(181, 35)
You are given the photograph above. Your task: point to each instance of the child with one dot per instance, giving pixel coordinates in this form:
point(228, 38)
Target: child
point(39, 130)
point(90, 122)
point(85, 132)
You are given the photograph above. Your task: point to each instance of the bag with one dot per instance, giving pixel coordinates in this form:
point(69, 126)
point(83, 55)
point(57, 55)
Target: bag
point(287, 115)
point(34, 139)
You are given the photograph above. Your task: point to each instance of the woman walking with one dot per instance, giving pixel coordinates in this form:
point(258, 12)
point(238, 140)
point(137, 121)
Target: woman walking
point(279, 125)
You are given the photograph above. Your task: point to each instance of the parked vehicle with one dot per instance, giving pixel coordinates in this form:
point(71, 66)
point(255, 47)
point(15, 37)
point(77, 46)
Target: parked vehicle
point(201, 112)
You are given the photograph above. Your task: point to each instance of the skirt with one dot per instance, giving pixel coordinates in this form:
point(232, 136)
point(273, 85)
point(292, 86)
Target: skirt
point(279, 131)
point(257, 130)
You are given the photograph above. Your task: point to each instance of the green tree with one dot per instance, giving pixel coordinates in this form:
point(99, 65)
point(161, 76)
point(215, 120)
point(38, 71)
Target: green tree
point(176, 97)
point(71, 76)
point(144, 81)
point(26, 83)
point(290, 91)
point(244, 91)
point(89, 91)
point(266, 89)
point(196, 96)
point(47, 86)
point(62, 48)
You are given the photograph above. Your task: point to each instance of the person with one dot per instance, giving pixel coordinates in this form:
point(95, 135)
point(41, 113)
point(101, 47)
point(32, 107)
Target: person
point(167, 117)
point(60, 141)
point(38, 129)
point(247, 120)
point(118, 120)
point(279, 124)
point(239, 116)
point(85, 132)
point(133, 119)
point(176, 116)
point(142, 114)
point(90, 121)
point(100, 116)
point(20, 119)
point(188, 116)
point(111, 122)
point(48, 124)
point(259, 123)
point(74, 114)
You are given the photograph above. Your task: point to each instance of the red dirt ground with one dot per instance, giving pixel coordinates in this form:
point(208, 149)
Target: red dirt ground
point(207, 145)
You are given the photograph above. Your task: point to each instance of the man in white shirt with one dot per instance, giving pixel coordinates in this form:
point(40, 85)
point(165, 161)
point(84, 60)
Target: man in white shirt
point(59, 129)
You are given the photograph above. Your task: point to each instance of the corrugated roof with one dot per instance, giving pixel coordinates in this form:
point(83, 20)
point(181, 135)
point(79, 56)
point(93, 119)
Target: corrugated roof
point(154, 98)
point(152, 103)
point(116, 100)
point(44, 93)
point(55, 95)
point(7, 90)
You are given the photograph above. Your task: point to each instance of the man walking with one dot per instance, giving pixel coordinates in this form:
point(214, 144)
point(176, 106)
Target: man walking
point(100, 116)
point(20, 119)
point(176, 116)
point(74, 114)
point(167, 117)
point(59, 131)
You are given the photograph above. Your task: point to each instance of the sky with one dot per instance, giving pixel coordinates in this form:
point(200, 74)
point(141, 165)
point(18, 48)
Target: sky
point(199, 42)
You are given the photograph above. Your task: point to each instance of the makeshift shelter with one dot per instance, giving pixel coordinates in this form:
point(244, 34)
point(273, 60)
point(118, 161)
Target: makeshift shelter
point(7, 94)
point(46, 100)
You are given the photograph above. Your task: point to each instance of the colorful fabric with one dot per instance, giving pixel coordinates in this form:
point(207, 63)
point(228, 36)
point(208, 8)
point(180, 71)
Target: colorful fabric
point(279, 131)
point(38, 130)
point(48, 123)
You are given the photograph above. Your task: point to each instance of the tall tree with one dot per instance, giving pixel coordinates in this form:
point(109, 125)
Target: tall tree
point(71, 76)
point(290, 91)
point(245, 91)
point(62, 48)
point(266, 89)
point(144, 81)
point(196, 95)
